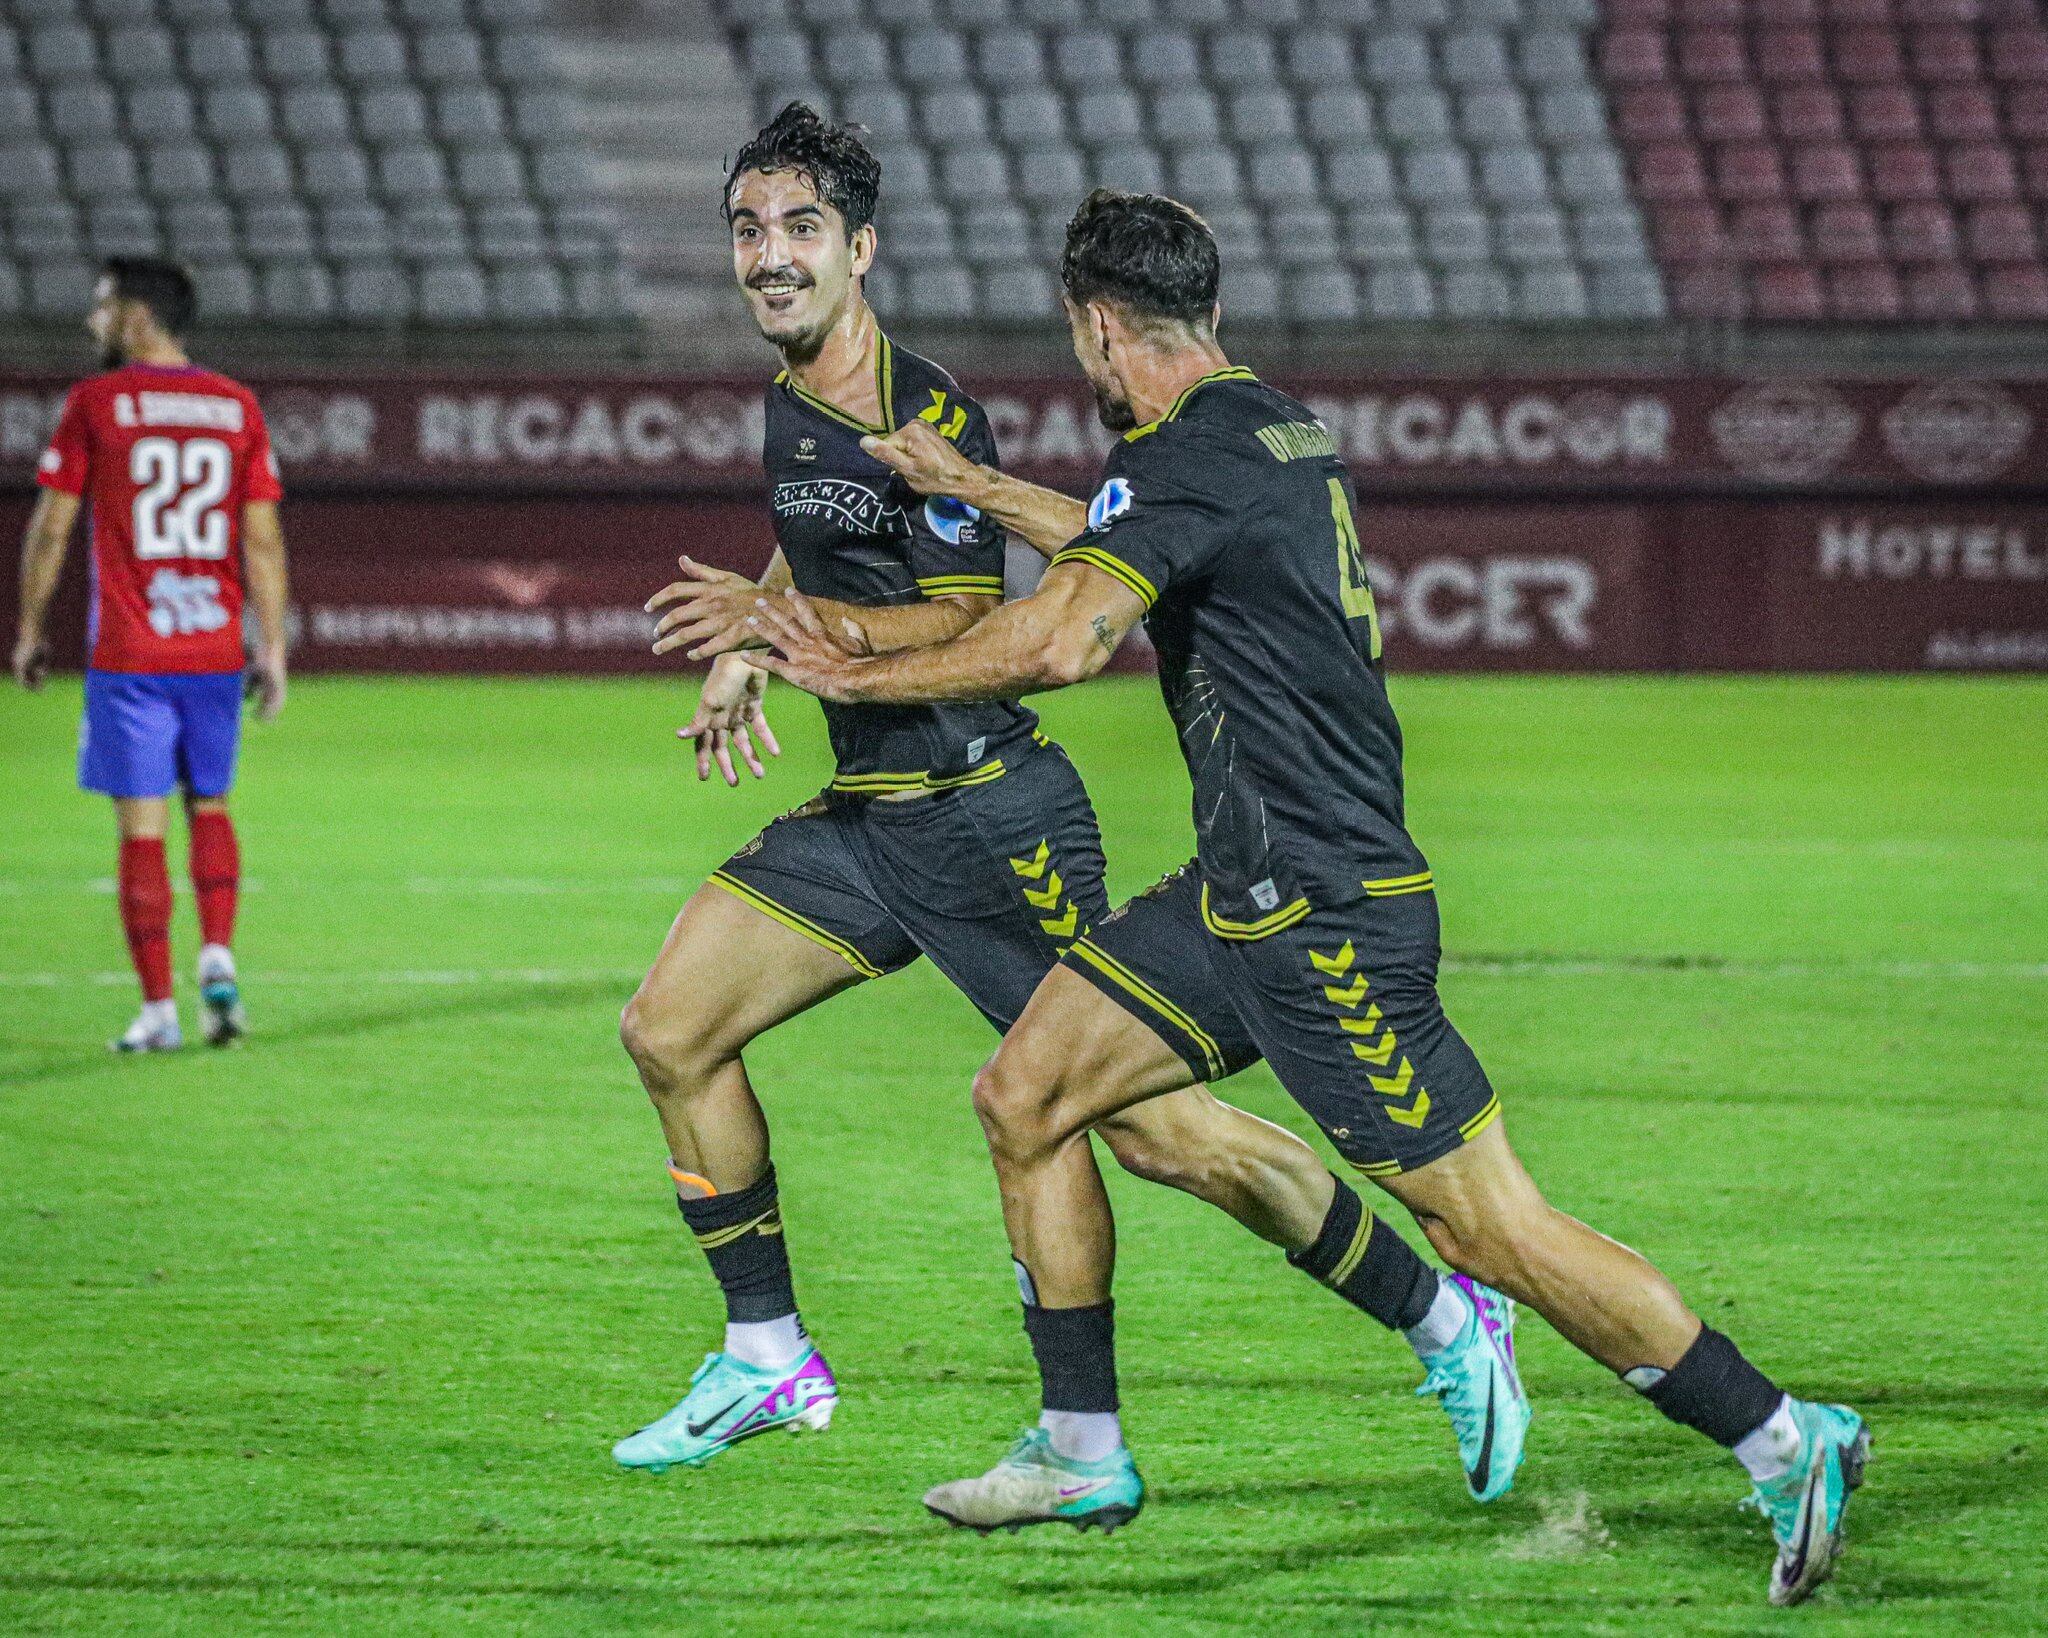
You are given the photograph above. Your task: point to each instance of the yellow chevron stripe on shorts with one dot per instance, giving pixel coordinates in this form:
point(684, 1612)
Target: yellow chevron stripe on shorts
point(1124, 979)
point(1115, 567)
point(888, 784)
point(1286, 916)
point(1392, 887)
point(795, 923)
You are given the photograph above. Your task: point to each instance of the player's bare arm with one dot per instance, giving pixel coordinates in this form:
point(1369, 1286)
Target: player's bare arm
point(42, 562)
point(1062, 634)
point(708, 608)
point(1043, 519)
point(263, 561)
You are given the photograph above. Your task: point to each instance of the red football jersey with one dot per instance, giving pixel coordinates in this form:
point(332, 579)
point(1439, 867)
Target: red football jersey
point(168, 455)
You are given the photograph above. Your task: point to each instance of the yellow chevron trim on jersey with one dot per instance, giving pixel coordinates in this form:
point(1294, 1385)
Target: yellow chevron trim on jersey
point(1048, 896)
point(1115, 567)
point(1479, 1122)
point(795, 923)
point(1034, 867)
point(1350, 995)
point(1335, 965)
point(889, 784)
point(1415, 1114)
point(961, 585)
point(1121, 976)
point(1354, 1254)
point(1231, 372)
point(949, 427)
point(1391, 887)
point(1223, 927)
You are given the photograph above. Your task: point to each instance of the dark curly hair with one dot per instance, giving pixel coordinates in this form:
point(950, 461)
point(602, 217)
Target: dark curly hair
point(163, 286)
point(831, 157)
point(1150, 255)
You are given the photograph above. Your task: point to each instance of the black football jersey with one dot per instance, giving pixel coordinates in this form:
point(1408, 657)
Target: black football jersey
point(1231, 518)
point(851, 529)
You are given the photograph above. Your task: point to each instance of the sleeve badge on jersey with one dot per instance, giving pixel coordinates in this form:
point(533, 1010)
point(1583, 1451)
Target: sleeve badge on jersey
point(51, 461)
point(1111, 502)
point(953, 521)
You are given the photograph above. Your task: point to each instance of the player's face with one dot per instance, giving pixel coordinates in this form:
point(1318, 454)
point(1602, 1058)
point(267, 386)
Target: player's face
point(103, 324)
point(793, 259)
point(1112, 403)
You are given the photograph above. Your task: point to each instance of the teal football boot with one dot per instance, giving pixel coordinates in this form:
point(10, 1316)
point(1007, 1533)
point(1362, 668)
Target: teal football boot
point(1807, 1502)
point(1035, 1484)
point(730, 1401)
point(1476, 1381)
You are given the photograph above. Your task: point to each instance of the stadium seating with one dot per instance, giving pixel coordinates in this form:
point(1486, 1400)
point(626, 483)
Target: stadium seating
point(1475, 160)
point(1855, 160)
point(388, 164)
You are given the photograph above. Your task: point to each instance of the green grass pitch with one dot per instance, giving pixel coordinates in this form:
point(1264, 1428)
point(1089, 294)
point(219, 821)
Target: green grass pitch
point(332, 1333)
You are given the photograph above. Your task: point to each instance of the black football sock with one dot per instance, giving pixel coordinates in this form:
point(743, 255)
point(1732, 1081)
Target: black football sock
point(1076, 1353)
point(1712, 1388)
point(741, 1234)
point(1368, 1264)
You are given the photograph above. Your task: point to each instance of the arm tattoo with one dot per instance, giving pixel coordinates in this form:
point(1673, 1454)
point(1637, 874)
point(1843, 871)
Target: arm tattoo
point(1103, 634)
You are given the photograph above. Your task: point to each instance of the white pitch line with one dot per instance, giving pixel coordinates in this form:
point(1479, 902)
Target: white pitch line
point(1475, 966)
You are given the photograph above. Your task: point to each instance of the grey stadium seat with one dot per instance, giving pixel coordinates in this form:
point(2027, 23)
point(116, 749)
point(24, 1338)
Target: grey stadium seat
point(1160, 61)
point(1197, 13)
point(1550, 294)
point(1303, 234)
point(1204, 175)
point(526, 61)
point(392, 113)
point(1239, 234)
point(201, 230)
point(407, 170)
point(1477, 293)
point(372, 56)
point(373, 293)
point(1533, 235)
point(1259, 115)
point(61, 51)
point(1418, 14)
point(219, 55)
point(281, 231)
point(939, 290)
point(469, 116)
point(493, 175)
point(1474, 58)
point(1242, 57)
point(1030, 118)
point(1104, 117)
point(179, 171)
point(355, 232)
point(972, 174)
point(528, 293)
point(236, 113)
point(1087, 57)
point(141, 56)
point(1397, 57)
point(1360, 176)
point(255, 172)
point(1590, 176)
point(297, 293)
point(13, 294)
point(934, 60)
point(1318, 58)
point(1009, 57)
point(1492, 117)
point(425, 14)
point(1185, 116)
point(431, 232)
point(1417, 114)
point(296, 57)
point(158, 111)
point(851, 59)
point(882, 109)
point(1513, 176)
point(226, 290)
point(28, 171)
point(1133, 167)
point(923, 229)
point(542, 114)
point(1339, 117)
point(1551, 57)
point(954, 114)
point(1610, 236)
point(1627, 293)
point(19, 116)
point(1320, 295)
point(45, 230)
point(1380, 235)
point(125, 227)
point(1019, 293)
point(453, 293)
point(780, 55)
point(119, 13)
point(448, 57)
point(83, 111)
point(315, 114)
point(100, 170)
point(1453, 236)
point(994, 235)
point(1571, 114)
point(335, 174)
point(1250, 292)
point(906, 171)
point(509, 233)
point(1433, 175)
point(191, 14)
point(1049, 176)
point(60, 289)
point(1282, 173)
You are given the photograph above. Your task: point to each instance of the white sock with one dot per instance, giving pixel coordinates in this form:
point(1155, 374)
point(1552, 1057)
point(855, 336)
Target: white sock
point(1769, 1449)
point(1443, 1324)
point(767, 1345)
point(215, 961)
point(157, 1014)
point(1083, 1436)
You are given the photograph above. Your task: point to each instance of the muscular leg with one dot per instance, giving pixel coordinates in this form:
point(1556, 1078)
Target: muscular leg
point(1486, 1217)
point(726, 973)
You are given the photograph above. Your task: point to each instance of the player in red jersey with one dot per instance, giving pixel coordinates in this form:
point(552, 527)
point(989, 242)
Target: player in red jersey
point(184, 491)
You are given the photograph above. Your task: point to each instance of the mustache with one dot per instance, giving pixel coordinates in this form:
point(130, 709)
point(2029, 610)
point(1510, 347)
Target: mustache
point(803, 281)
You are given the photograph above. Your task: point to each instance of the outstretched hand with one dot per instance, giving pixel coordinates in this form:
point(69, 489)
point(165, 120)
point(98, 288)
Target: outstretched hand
point(924, 459)
point(805, 653)
point(730, 717)
point(707, 607)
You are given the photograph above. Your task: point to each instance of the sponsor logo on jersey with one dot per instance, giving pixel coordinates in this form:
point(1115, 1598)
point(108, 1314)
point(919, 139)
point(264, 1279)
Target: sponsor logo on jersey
point(1111, 502)
point(953, 521)
point(858, 508)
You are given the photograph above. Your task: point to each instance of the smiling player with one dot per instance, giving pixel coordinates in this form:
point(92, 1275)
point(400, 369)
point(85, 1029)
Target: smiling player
point(176, 461)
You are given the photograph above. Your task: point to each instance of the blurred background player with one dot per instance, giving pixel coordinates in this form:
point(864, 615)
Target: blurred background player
point(183, 488)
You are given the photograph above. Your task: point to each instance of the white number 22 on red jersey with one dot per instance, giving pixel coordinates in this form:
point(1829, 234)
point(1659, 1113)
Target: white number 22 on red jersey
point(177, 510)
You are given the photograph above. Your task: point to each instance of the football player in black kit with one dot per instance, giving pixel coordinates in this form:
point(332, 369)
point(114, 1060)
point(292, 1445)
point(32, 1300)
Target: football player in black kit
point(957, 832)
point(1304, 930)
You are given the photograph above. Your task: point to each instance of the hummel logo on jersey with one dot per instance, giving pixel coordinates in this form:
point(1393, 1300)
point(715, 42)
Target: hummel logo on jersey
point(806, 449)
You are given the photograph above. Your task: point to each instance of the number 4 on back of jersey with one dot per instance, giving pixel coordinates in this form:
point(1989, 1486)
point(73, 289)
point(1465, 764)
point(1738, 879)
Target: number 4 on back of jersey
point(1352, 585)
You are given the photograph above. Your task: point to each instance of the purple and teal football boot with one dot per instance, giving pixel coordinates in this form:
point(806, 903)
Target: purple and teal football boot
point(1476, 1381)
point(729, 1401)
point(1806, 1504)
